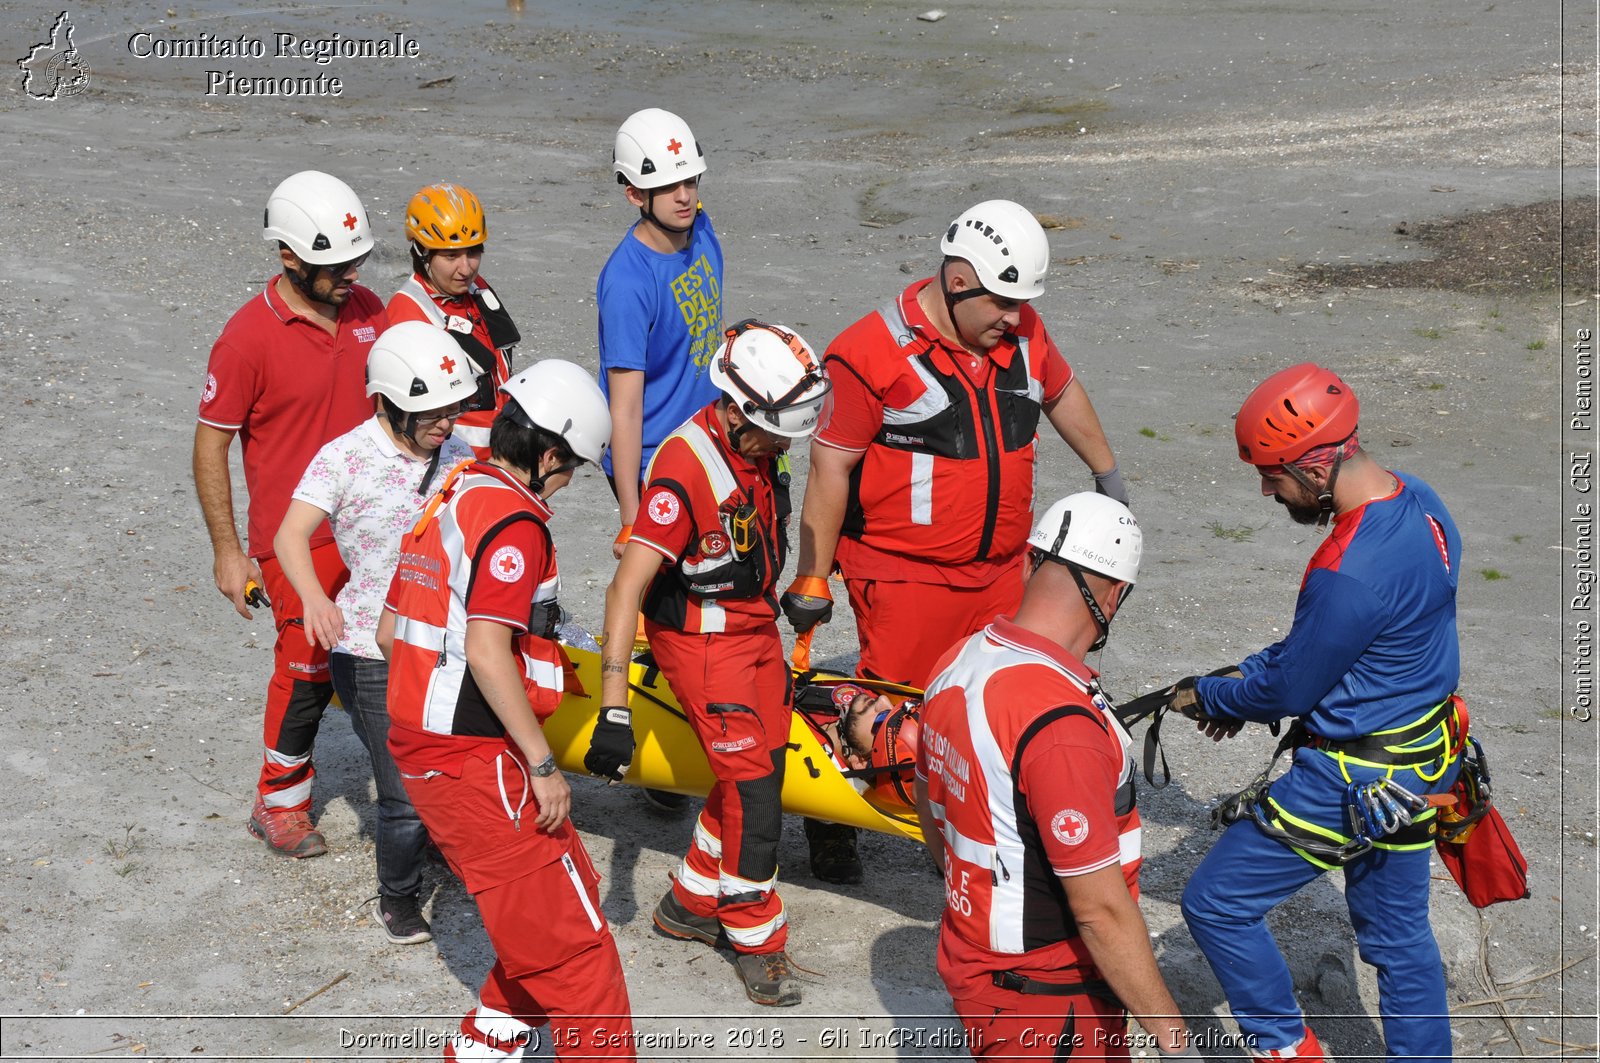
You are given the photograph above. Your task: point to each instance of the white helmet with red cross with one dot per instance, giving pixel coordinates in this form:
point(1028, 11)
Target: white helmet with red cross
point(655, 148)
point(319, 217)
point(419, 367)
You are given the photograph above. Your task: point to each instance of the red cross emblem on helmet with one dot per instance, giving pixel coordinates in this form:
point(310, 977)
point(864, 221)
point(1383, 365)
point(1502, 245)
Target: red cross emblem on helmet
point(448, 365)
point(350, 222)
point(675, 145)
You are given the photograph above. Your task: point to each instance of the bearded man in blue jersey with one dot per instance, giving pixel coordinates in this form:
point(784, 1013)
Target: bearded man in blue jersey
point(1367, 674)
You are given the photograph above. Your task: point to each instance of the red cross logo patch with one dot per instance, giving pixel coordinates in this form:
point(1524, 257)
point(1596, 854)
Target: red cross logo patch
point(1070, 826)
point(507, 565)
point(350, 222)
point(674, 146)
point(663, 507)
point(448, 365)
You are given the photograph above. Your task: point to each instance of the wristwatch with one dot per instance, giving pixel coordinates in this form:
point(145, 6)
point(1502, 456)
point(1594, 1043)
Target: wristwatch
point(546, 767)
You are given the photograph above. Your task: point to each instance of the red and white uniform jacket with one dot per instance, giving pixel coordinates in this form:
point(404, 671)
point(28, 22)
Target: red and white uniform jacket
point(485, 332)
point(947, 442)
point(1030, 781)
point(481, 551)
point(719, 520)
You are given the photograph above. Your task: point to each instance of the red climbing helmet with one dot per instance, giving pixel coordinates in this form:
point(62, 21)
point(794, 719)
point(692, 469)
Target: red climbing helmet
point(1292, 411)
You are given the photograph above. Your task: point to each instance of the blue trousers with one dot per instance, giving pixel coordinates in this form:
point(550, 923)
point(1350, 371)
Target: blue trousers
point(362, 686)
point(1247, 874)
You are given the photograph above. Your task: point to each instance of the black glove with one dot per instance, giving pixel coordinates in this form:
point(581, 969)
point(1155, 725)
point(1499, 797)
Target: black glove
point(806, 611)
point(611, 746)
point(1227, 671)
point(1182, 697)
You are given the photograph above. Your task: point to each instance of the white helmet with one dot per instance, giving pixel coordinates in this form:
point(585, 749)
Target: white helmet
point(772, 375)
point(418, 367)
point(319, 217)
point(656, 148)
point(562, 398)
point(1005, 244)
point(1094, 532)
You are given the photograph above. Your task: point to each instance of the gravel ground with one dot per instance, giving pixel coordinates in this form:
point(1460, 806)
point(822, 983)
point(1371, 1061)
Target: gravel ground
point(1210, 169)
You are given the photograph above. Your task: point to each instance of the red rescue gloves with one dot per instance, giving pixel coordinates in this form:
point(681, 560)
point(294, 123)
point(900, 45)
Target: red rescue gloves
point(807, 603)
point(611, 746)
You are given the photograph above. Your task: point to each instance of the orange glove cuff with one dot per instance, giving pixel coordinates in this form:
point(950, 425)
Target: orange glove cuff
point(622, 536)
point(811, 587)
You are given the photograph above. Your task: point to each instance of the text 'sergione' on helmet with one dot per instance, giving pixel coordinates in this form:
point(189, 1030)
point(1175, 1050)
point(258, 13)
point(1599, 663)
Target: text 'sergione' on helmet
point(655, 148)
point(1005, 244)
point(1094, 532)
point(1292, 411)
point(445, 217)
point(772, 375)
point(419, 367)
point(319, 217)
point(563, 398)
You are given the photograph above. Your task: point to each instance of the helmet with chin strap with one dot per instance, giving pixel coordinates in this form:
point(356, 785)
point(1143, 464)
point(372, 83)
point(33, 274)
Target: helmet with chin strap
point(1089, 532)
point(772, 376)
point(1005, 245)
point(319, 217)
point(418, 367)
point(445, 217)
point(1292, 411)
point(562, 398)
point(655, 148)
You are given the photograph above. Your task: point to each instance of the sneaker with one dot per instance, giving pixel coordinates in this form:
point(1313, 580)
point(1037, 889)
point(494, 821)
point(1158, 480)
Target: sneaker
point(287, 832)
point(833, 853)
point(676, 921)
point(666, 801)
point(402, 922)
point(768, 978)
point(1309, 1050)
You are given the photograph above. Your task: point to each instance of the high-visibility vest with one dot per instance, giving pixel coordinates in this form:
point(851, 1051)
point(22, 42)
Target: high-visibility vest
point(430, 686)
point(980, 713)
point(949, 477)
point(489, 338)
point(714, 587)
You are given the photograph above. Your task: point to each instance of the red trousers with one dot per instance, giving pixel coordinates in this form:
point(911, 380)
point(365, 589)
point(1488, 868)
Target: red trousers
point(1045, 1027)
point(904, 628)
point(538, 893)
point(300, 689)
point(735, 691)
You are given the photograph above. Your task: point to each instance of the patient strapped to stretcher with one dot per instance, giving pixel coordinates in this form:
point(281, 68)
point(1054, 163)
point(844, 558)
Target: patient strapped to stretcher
point(871, 737)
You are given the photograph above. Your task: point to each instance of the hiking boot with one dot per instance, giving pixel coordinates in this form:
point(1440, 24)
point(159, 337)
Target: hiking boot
point(287, 832)
point(768, 978)
point(666, 801)
point(402, 921)
point(676, 921)
point(833, 853)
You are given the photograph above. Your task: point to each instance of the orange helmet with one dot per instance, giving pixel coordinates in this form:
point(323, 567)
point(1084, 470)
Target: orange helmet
point(445, 218)
point(1292, 411)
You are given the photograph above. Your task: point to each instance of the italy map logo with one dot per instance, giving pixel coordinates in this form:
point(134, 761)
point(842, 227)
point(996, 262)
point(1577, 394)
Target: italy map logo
point(54, 68)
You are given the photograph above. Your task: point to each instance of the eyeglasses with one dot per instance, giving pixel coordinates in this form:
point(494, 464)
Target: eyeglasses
point(429, 418)
point(339, 269)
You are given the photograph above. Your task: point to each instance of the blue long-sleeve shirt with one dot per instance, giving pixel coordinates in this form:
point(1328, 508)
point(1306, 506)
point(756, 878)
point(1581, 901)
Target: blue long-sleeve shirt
point(1373, 645)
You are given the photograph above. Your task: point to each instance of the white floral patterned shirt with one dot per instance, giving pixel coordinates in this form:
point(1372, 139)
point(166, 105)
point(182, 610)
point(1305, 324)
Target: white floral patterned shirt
point(368, 487)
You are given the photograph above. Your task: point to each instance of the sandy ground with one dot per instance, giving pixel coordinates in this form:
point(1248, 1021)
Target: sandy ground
point(1195, 154)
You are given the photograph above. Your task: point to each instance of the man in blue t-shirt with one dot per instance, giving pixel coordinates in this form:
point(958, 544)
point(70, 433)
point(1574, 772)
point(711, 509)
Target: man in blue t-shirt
point(1368, 671)
point(660, 299)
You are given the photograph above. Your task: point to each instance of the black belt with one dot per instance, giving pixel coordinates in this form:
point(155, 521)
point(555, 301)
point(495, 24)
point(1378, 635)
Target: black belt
point(1387, 749)
point(1021, 983)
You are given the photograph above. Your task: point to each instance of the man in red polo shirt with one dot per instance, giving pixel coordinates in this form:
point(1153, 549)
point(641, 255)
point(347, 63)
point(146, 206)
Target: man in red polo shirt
point(287, 375)
point(920, 489)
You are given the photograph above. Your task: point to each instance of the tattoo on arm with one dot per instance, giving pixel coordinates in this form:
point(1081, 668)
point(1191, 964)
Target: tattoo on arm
point(616, 667)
